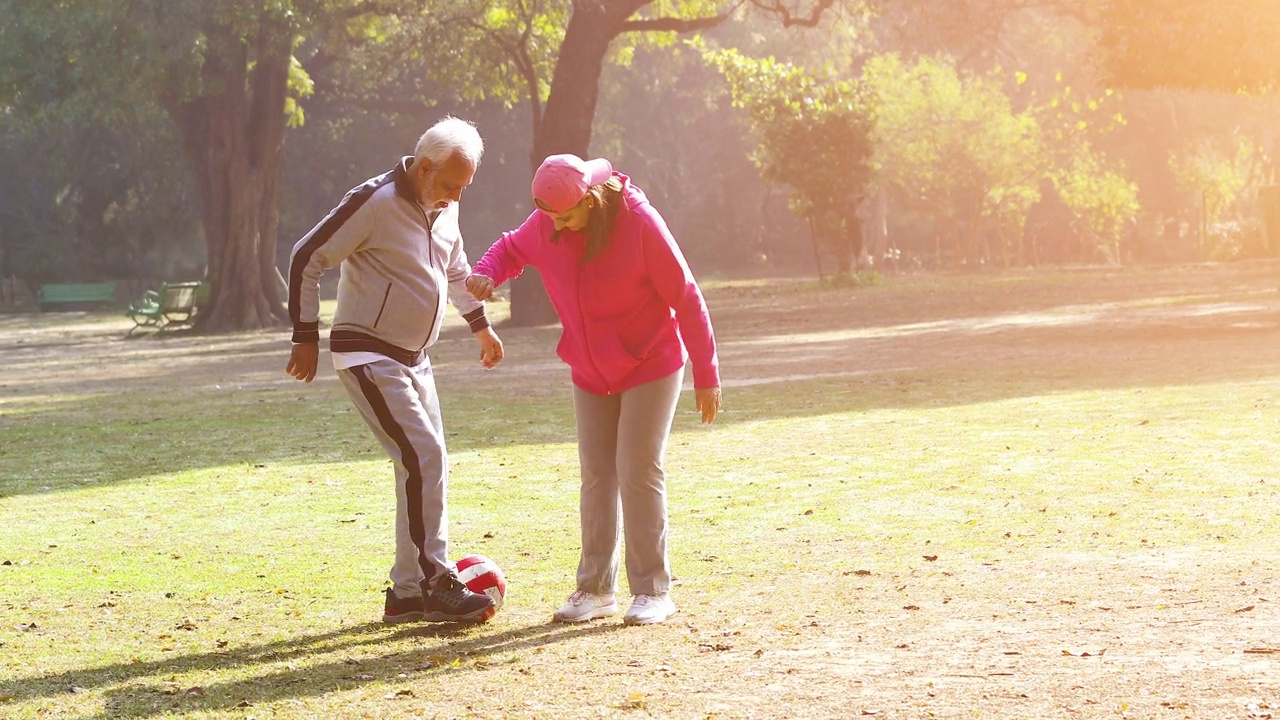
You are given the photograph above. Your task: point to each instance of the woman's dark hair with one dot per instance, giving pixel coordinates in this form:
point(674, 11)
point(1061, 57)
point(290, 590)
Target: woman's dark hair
point(608, 198)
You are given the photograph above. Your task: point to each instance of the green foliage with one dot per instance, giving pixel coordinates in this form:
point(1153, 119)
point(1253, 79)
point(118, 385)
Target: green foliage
point(1103, 199)
point(814, 135)
point(951, 143)
point(300, 86)
point(1215, 178)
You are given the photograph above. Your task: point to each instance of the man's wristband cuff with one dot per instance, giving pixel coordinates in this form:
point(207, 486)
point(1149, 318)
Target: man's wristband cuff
point(476, 320)
point(306, 332)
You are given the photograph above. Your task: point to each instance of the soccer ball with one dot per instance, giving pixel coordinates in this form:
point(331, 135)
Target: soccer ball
point(482, 575)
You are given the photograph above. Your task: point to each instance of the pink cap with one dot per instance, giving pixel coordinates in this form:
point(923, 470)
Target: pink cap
point(563, 180)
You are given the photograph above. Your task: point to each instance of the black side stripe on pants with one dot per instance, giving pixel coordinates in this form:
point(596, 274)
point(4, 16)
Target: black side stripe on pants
point(408, 456)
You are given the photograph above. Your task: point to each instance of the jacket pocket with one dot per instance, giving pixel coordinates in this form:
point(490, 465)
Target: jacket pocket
point(386, 295)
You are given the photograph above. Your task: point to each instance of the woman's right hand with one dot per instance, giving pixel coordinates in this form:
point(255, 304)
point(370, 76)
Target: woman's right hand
point(480, 287)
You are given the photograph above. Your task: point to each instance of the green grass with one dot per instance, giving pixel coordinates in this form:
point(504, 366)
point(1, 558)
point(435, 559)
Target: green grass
point(193, 546)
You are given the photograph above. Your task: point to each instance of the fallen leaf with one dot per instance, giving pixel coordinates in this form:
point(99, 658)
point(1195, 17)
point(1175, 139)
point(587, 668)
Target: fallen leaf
point(5, 697)
point(398, 694)
point(78, 690)
point(1246, 608)
point(1085, 653)
point(930, 558)
point(196, 692)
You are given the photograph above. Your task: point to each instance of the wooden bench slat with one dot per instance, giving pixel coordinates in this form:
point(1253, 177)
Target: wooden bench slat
point(52, 294)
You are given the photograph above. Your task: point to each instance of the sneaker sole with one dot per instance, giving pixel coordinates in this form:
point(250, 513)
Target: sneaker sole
point(594, 614)
point(479, 616)
point(630, 620)
point(402, 618)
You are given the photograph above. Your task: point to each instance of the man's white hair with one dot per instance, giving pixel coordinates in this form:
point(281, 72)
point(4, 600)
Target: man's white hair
point(451, 136)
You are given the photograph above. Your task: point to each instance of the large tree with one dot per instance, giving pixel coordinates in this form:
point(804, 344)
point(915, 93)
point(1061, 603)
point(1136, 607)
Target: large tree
point(571, 40)
point(225, 72)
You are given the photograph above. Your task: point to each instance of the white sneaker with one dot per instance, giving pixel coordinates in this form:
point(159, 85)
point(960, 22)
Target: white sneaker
point(649, 609)
point(583, 606)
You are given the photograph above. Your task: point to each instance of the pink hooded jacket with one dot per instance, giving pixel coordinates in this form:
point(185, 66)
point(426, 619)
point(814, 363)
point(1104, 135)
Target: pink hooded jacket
point(625, 312)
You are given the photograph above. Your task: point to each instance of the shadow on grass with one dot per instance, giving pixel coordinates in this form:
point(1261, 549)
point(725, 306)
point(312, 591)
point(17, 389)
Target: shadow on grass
point(143, 689)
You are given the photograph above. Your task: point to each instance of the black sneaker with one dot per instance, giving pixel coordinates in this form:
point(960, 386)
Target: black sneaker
point(401, 609)
point(451, 601)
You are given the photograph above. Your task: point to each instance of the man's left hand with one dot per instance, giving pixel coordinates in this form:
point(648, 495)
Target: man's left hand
point(490, 347)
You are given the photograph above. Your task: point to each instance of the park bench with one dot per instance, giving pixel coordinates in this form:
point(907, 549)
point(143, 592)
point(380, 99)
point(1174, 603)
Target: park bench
point(75, 296)
point(174, 304)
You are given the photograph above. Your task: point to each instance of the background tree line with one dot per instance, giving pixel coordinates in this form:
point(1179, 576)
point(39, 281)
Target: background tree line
point(180, 139)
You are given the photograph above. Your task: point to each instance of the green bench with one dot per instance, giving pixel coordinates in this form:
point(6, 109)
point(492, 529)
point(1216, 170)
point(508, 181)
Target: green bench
point(174, 304)
point(75, 296)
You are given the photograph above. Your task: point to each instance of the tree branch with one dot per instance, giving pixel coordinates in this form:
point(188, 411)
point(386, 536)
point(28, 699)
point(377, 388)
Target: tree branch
point(779, 8)
point(377, 7)
point(680, 25)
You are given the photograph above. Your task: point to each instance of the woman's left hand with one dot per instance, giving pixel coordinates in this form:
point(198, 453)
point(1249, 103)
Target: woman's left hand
point(708, 400)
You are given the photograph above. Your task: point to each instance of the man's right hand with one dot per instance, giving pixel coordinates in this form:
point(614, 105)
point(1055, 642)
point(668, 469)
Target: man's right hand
point(480, 287)
point(303, 359)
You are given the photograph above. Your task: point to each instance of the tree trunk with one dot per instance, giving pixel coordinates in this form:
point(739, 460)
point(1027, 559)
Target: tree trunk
point(813, 241)
point(565, 126)
point(235, 141)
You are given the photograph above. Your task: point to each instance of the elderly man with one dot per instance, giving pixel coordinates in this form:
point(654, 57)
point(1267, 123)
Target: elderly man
point(397, 240)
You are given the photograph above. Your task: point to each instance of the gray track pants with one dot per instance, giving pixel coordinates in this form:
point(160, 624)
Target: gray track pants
point(621, 443)
point(402, 408)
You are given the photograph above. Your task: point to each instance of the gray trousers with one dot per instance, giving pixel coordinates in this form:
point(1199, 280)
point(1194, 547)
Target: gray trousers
point(402, 408)
point(621, 443)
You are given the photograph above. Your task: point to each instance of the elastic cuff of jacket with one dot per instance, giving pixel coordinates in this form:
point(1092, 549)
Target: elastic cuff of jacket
point(306, 332)
point(476, 320)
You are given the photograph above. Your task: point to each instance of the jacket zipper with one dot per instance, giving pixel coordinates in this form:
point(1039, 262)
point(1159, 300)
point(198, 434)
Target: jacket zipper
point(431, 258)
point(586, 347)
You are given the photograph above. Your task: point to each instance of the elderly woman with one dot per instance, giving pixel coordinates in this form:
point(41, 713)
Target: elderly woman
point(632, 315)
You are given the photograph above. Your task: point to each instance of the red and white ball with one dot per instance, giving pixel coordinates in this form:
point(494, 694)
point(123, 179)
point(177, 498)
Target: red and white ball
point(483, 575)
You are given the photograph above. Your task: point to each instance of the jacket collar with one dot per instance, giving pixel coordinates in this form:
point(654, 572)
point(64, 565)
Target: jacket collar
point(404, 188)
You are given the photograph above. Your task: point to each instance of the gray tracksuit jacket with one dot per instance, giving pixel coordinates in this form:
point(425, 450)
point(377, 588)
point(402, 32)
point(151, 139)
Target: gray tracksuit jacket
point(398, 262)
